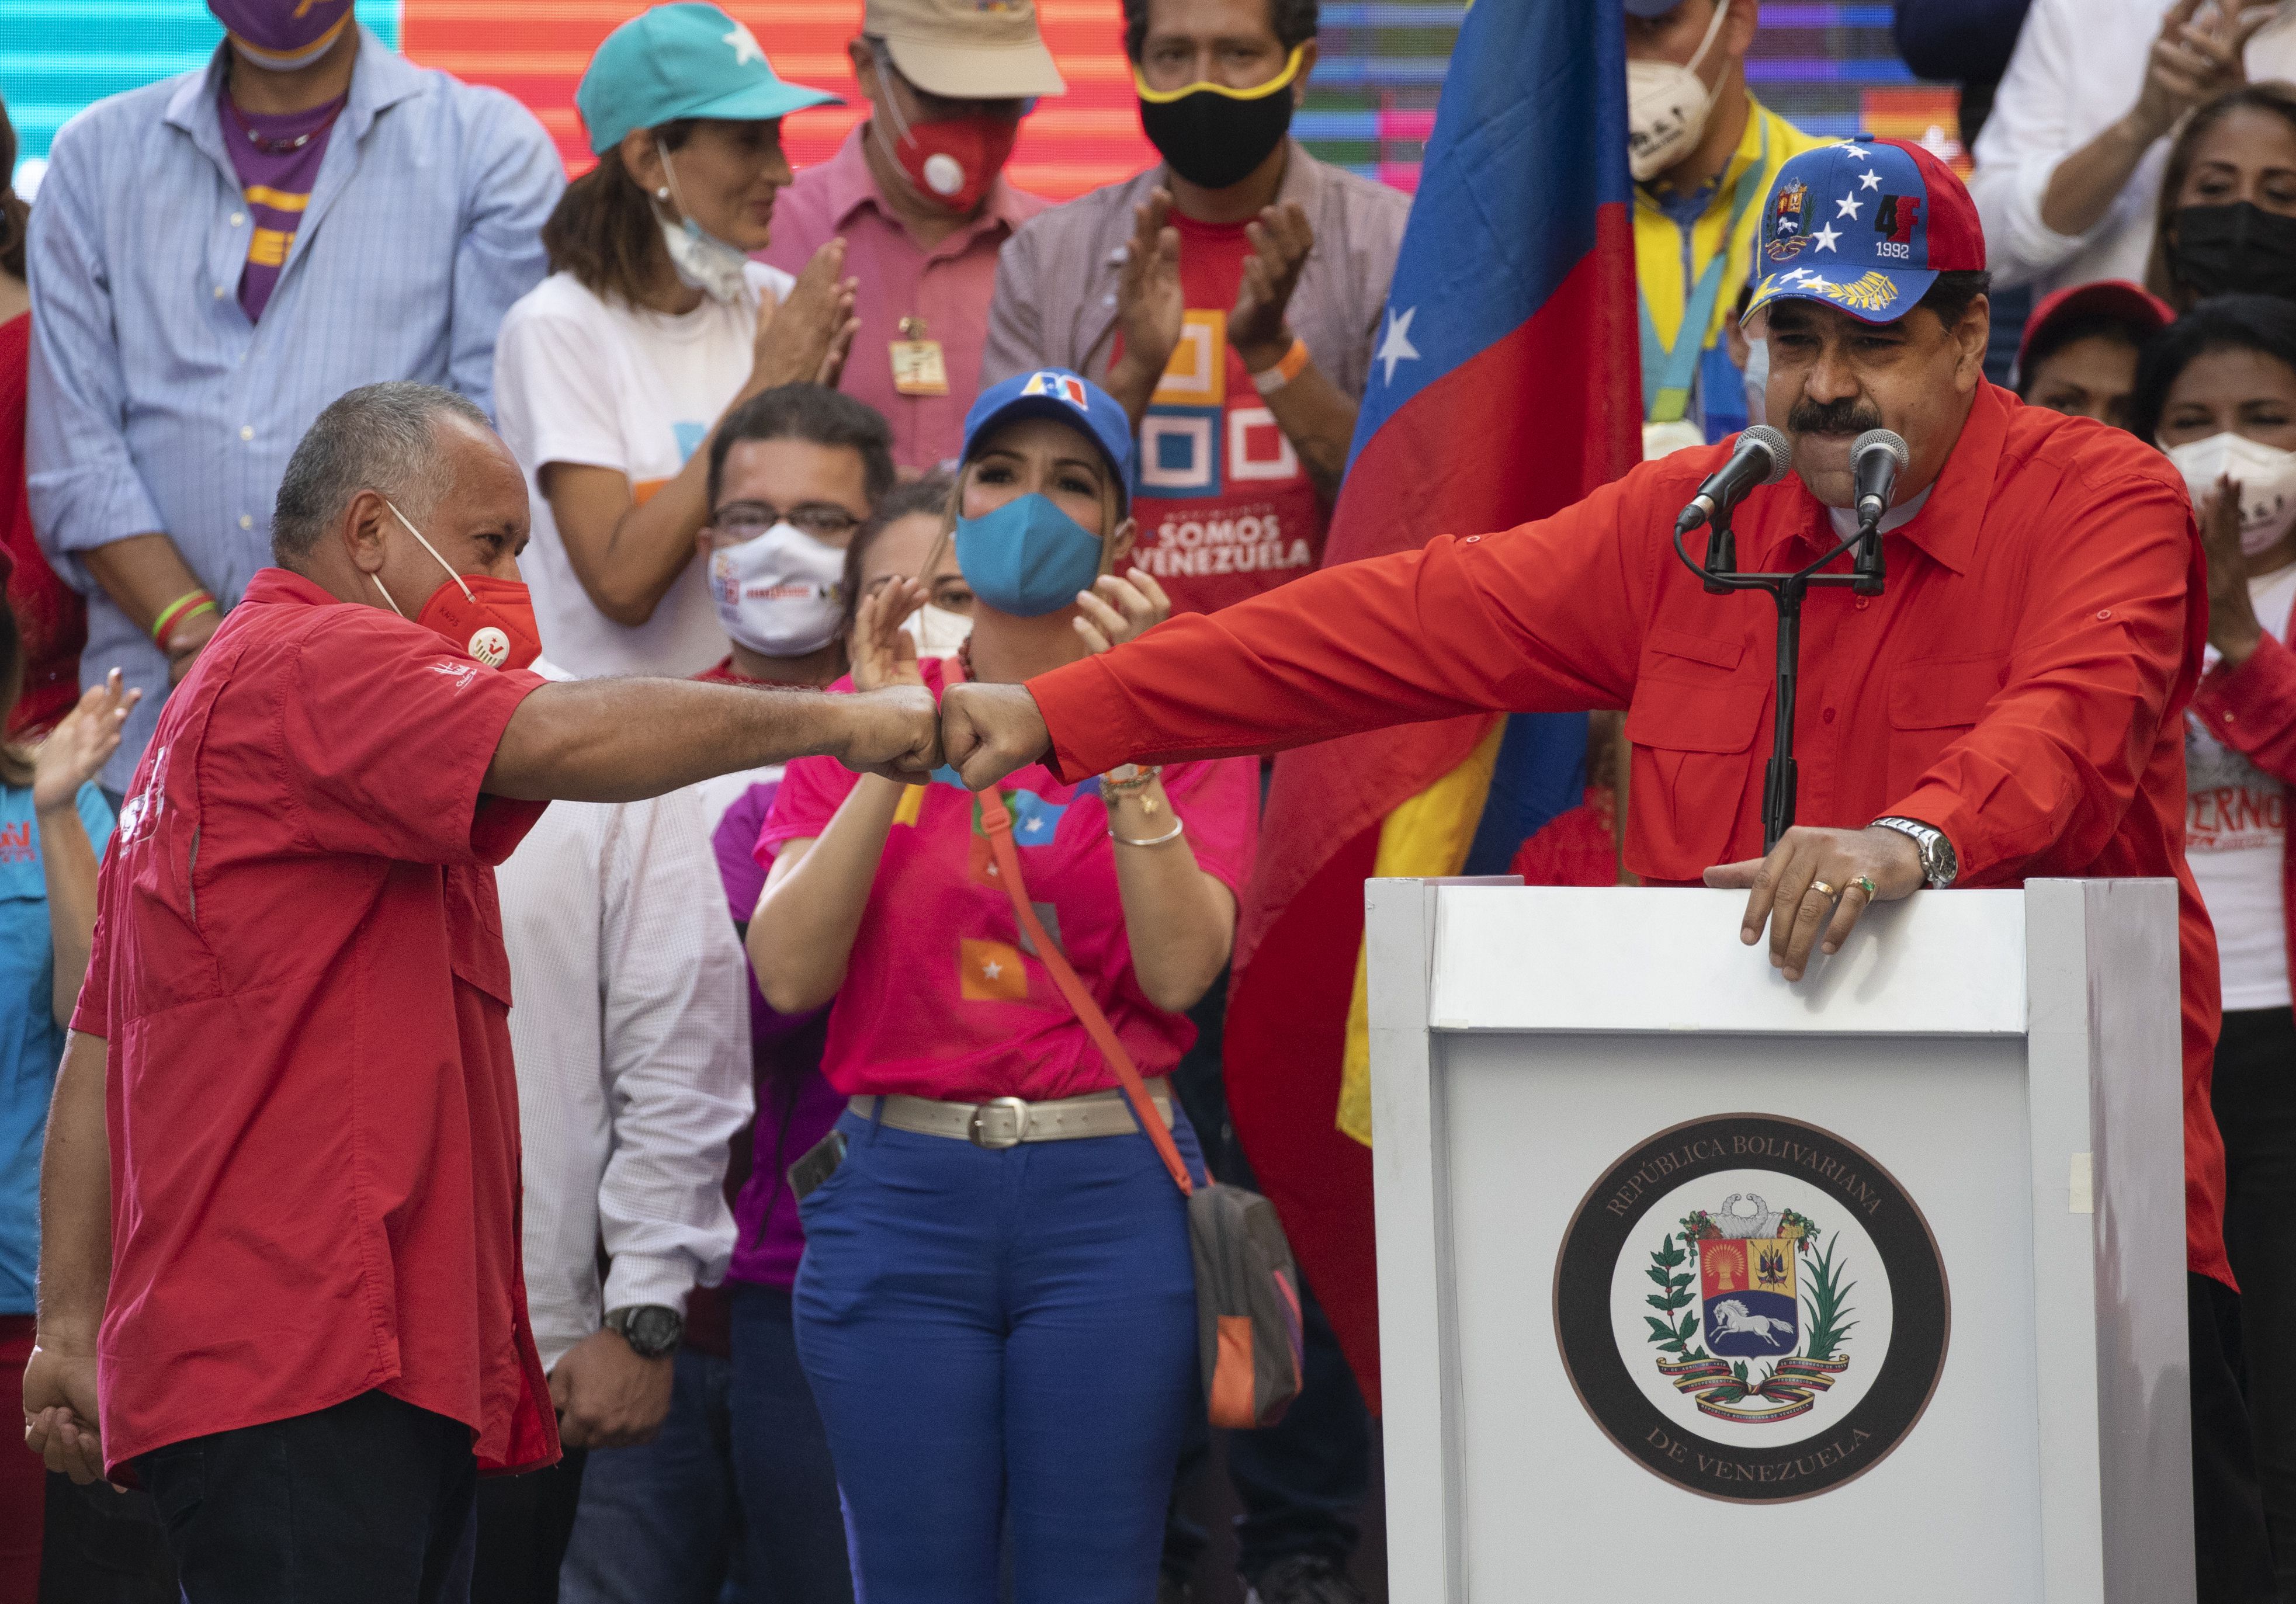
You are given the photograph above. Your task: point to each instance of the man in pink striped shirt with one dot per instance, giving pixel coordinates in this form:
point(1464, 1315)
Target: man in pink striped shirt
point(918, 193)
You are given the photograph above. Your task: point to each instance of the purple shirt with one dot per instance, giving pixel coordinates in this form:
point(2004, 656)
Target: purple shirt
point(796, 1106)
point(275, 182)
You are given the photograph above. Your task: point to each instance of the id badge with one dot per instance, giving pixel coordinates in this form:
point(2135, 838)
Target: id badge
point(918, 369)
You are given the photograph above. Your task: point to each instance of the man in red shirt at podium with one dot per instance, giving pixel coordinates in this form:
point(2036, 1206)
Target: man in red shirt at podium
point(2010, 705)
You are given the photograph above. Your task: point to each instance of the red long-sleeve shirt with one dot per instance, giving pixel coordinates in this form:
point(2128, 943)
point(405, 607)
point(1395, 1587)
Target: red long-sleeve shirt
point(2019, 685)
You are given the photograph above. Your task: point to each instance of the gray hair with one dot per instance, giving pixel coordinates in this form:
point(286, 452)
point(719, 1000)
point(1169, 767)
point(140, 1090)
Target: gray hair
point(380, 436)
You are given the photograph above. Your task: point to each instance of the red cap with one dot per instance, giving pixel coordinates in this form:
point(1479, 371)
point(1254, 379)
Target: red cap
point(2145, 313)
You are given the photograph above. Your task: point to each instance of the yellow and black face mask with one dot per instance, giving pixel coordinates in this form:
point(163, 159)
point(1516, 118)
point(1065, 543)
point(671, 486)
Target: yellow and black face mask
point(1211, 135)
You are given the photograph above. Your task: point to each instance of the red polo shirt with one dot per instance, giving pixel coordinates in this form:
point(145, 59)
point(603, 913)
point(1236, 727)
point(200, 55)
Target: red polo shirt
point(298, 971)
point(2021, 685)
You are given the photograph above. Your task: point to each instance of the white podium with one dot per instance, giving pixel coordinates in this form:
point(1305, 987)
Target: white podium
point(1695, 1284)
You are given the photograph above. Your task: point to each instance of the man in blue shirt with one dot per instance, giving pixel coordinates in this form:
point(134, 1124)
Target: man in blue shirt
point(202, 285)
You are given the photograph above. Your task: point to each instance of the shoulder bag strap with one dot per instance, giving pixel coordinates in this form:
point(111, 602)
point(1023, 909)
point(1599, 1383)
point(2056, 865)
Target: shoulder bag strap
point(997, 823)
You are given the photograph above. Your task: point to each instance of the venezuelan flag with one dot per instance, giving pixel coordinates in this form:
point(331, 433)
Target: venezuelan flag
point(1502, 388)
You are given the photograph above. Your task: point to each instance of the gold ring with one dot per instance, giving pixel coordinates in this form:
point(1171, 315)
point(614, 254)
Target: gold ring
point(1867, 882)
point(1821, 888)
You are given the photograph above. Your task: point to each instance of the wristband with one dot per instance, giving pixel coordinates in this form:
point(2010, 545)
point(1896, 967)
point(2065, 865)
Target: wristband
point(1268, 380)
point(189, 605)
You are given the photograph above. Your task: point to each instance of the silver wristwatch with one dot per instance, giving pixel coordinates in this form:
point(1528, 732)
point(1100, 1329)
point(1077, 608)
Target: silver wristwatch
point(1939, 864)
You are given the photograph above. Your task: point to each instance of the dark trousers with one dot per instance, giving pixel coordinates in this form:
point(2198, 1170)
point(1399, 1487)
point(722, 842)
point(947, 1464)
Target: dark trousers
point(796, 1530)
point(1302, 1481)
point(2255, 1100)
point(524, 1522)
point(370, 1501)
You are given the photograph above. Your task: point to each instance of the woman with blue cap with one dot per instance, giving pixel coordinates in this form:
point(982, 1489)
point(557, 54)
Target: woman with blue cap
point(997, 1307)
point(611, 375)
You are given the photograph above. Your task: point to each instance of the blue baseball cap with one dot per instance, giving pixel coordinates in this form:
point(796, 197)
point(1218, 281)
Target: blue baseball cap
point(683, 60)
point(1650, 8)
point(1065, 397)
point(1865, 225)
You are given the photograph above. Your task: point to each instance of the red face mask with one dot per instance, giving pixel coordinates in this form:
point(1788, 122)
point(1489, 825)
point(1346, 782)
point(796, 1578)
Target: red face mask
point(952, 162)
point(490, 619)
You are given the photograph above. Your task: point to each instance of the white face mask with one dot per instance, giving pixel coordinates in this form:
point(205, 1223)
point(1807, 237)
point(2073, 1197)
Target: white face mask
point(781, 595)
point(937, 630)
point(1757, 380)
point(1667, 107)
point(2266, 475)
point(704, 261)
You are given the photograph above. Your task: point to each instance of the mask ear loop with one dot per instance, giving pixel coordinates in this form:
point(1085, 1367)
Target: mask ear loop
point(427, 546)
point(1713, 30)
point(669, 181)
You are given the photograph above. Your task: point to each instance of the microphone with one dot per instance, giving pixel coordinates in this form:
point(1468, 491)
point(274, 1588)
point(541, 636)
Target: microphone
point(1761, 458)
point(1876, 460)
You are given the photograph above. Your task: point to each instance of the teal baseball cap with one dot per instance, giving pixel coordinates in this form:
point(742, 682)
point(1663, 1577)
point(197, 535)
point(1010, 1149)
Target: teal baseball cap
point(683, 60)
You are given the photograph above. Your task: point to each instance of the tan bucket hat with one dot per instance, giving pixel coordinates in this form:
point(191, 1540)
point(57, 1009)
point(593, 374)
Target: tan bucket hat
point(966, 49)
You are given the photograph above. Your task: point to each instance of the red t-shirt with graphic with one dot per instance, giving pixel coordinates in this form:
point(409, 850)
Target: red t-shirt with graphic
point(1226, 508)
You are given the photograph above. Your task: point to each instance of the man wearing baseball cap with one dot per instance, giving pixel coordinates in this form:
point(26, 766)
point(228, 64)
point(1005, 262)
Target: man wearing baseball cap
point(2009, 707)
point(918, 193)
point(1703, 152)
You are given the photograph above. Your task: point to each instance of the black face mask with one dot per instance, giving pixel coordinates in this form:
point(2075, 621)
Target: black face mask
point(2237, 250)
point(1214, 138)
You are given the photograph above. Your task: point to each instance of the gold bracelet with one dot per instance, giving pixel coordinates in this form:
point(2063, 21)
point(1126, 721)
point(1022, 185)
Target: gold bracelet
point(1179, 828)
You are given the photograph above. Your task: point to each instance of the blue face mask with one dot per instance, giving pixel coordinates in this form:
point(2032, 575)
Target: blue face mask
point(1028, 558)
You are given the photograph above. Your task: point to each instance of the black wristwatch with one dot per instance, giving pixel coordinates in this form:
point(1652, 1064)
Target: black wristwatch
point(652, 1330)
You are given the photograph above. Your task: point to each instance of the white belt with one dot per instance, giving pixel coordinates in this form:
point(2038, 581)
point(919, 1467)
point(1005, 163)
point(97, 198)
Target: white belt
point(1004, 1122)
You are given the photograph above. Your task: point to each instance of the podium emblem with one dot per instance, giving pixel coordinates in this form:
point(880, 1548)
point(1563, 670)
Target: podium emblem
point(1751, 1307)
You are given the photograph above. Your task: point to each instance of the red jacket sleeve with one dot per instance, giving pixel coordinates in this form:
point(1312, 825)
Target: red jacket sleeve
point(1546, 617)
point(2252, 709)
point(2106, 652)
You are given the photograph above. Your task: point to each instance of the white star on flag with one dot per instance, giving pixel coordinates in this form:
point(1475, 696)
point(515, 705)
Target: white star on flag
point(1034, 824)
point(1826, 236)
point(1397, 346)
point(1869, 179)
point(991, 970)
point(744, 45)
point(1848, 208)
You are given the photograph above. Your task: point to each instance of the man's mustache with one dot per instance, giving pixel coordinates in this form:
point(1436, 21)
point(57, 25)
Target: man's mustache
point(1833, 417)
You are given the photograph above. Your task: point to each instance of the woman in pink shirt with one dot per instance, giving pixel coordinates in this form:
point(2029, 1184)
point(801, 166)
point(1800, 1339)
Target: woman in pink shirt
point(996, 1308)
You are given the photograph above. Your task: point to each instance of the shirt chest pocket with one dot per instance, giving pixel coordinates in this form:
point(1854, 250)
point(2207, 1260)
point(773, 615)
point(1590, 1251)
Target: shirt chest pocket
point(1933, 704)
point(1696, 709)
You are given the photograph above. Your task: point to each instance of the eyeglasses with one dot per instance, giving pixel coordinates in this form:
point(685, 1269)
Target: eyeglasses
point(746, 520)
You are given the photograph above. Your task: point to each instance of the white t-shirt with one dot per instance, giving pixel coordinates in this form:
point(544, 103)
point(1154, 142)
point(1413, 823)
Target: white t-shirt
point(580, 379)
point(2236, 838)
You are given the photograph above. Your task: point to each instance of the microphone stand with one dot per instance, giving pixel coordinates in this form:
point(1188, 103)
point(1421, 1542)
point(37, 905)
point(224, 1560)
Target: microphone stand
point(1719, 575)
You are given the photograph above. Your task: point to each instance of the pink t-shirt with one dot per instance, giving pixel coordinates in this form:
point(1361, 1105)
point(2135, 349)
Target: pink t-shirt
point(940, 998)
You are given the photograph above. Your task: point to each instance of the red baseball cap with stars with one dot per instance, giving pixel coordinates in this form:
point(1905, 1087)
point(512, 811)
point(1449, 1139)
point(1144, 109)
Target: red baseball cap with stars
point(1865, 225)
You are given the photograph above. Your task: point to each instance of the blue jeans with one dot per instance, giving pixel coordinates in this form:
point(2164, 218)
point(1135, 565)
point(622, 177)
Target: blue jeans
point(795, 1530)
point(1001, 1342)
point(658, 1521)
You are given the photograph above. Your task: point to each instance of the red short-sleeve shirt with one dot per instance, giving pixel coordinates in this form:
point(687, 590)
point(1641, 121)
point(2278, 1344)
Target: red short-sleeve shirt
point(299, 971)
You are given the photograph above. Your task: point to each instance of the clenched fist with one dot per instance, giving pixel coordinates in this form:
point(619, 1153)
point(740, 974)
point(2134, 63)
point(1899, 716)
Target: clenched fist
point(989, 731)
point(894, 732)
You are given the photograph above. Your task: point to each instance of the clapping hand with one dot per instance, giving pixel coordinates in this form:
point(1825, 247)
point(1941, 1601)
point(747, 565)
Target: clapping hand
point(1151, 307)
point(1117, 609)
point(2193, 62)
point(883, 653)
point(77, 749)
point(1280, 239)
point(805, 338)
point(2232, 628)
